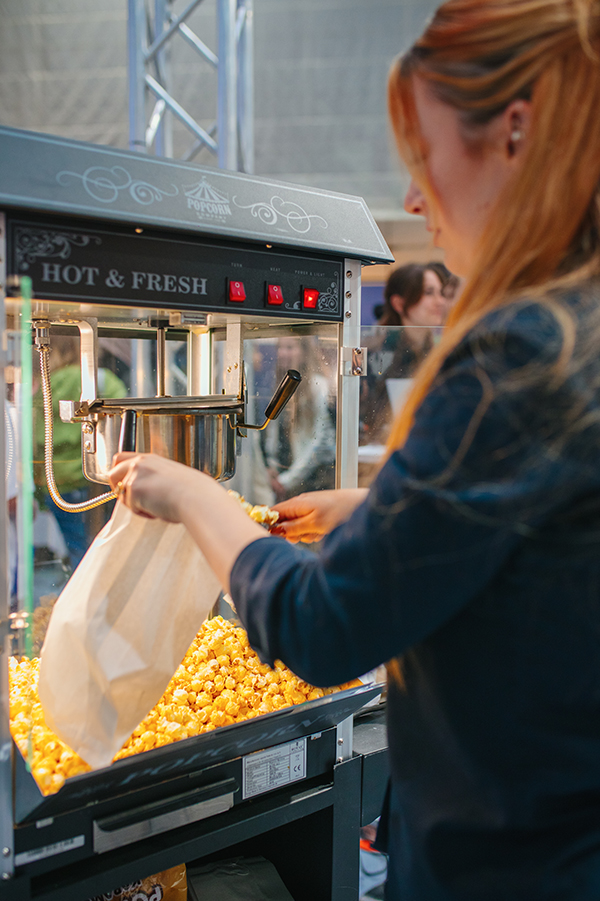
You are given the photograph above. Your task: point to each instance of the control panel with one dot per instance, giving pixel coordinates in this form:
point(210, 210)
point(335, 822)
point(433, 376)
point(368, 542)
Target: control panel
point(73, 261)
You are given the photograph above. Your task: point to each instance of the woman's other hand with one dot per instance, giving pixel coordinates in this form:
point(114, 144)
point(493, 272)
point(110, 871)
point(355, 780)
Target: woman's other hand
point(311, 515)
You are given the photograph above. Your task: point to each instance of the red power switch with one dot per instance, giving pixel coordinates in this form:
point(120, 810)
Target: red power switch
point(311, 296)
point(274, 295)
point(237, 291)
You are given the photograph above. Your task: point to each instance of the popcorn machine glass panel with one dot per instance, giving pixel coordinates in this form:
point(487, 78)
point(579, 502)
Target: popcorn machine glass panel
point(296, 452)
point(393, 356)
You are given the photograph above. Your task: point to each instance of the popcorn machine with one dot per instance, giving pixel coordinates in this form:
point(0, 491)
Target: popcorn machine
point(180, 307)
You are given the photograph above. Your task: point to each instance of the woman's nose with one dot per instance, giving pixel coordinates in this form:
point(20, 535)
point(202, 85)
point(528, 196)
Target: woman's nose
point(414, 202)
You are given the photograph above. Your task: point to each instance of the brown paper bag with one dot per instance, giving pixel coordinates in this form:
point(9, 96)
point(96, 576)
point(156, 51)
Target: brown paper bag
point(120, 629)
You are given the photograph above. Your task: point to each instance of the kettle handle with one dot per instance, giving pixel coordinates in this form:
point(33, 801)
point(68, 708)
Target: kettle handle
point(127, 435)
point(283, 393)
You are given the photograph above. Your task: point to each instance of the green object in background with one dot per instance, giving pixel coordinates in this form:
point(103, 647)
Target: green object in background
point(25, 512)
point(25, 483)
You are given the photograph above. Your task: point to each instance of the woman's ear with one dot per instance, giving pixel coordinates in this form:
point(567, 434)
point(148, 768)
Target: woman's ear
point(515, 128)
point(397, 304)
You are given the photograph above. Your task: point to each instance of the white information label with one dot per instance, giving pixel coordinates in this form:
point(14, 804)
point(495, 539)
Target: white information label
point(270, 769)
point(49, 850)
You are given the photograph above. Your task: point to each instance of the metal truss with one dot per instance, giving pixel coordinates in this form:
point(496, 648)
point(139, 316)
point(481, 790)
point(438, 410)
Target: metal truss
point(153, 26)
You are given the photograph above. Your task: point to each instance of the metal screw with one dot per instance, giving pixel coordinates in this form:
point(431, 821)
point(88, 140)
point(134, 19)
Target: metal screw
point(348, 274)
point(6, 875)
point(340, 741)
point(348, 314)
point(6, 852)
point(87, 427)
point(348, 294)
point(357, 370)
point(229, 369)
point(340, 760)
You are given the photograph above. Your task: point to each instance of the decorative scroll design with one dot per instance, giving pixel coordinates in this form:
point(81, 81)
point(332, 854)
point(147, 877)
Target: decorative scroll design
point(329, 300)
point(105, 185)
point(32, 243)
point(296, 217)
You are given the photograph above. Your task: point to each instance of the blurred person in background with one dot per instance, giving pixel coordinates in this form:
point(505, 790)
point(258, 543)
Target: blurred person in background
point(413, 299)
point(451, 285)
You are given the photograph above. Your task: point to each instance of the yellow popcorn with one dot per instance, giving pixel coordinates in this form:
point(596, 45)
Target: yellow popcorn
point(220, 681)
point(259, 513)
point(52, 760)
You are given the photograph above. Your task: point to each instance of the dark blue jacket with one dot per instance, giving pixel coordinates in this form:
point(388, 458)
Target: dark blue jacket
point(476, 561)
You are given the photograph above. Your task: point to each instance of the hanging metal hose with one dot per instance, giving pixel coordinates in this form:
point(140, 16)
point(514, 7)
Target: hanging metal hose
point(48, 429)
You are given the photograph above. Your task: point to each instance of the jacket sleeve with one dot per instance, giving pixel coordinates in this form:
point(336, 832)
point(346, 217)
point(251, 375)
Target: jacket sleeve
point(478, 475)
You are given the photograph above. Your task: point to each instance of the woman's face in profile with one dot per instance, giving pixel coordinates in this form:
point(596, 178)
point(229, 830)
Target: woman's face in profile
point(465, 180)
point(430, 310)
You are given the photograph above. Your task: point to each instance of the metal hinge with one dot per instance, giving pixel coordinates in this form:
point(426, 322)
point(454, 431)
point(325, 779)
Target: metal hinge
point(353, 360)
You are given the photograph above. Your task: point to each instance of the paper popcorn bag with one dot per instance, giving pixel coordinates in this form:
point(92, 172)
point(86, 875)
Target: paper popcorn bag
point(120, 629)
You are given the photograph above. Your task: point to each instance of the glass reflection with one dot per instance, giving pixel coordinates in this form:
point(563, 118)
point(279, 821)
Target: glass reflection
point(296, 452)
point(394, 354)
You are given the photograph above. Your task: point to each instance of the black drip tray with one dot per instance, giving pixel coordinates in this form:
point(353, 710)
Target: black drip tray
point(185, 756)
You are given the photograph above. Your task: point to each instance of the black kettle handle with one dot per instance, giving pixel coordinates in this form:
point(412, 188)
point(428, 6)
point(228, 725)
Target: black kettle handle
point(283, 393)
point(127, 435)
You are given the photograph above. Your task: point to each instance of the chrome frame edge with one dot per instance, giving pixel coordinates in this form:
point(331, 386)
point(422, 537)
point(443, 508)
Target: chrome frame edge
point(346, 473)
point(6, 781)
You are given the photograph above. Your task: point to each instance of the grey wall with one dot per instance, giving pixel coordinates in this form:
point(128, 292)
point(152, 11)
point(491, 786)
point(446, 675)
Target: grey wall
point(320, 75)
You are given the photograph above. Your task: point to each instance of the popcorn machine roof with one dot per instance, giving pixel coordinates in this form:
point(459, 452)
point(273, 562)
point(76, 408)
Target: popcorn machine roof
point(46, 173)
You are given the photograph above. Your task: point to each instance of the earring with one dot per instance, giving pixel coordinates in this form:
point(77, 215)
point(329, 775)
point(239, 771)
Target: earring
point(516, 135)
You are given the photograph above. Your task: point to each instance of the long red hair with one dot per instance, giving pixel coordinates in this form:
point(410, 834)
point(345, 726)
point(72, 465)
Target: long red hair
point(478, 56)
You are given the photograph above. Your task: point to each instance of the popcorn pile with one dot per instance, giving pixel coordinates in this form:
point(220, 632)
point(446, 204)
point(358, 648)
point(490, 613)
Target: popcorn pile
point(220, 681)
point(53, 761)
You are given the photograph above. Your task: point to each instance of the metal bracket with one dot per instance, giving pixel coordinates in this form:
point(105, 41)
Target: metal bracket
point(233, 357)
point(14, 624)
point(353, 361)
point(88, 435)
point(88, 342)
point(344, 739)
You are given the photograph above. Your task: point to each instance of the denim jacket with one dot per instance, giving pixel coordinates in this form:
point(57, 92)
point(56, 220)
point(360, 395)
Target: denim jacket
point(475, 562)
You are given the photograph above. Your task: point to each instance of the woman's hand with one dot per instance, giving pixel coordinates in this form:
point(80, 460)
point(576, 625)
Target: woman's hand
point(159, 488)
point(154, 486)
point(311, 515)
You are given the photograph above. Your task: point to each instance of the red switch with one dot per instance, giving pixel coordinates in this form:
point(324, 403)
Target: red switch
point(274, 295)
point(311, 296)
point(237, 291)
